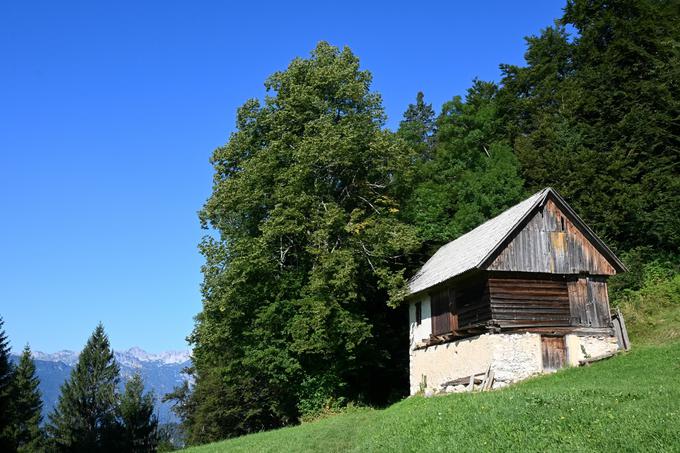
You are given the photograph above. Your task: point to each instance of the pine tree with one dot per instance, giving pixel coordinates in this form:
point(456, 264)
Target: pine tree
point(27, 406)
point(6, 375)
point(419, 127)
point(595, 115)
point(85, 416)
point(139, 424)
point(473, 174)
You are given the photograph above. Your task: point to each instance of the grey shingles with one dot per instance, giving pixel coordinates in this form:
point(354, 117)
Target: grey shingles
point(470, 250)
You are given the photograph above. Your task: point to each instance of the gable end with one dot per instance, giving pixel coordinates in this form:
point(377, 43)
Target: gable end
point(554, 240)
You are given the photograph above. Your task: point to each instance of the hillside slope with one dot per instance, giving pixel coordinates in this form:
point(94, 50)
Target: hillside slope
point(628, 403)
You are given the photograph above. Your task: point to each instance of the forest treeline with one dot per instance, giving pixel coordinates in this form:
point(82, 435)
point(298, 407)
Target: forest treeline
point(321, 213)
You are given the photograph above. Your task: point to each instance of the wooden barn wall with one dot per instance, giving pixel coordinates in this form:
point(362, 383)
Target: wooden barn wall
point(551, 243)
point(529, 302)
point(460, 306)
point(589, 302)
point(472, 303)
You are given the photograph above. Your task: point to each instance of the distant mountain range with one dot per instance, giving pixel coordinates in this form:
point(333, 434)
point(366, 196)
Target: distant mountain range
point(161, 373)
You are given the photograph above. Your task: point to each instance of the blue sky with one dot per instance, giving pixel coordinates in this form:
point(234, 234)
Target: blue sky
point(109, 112)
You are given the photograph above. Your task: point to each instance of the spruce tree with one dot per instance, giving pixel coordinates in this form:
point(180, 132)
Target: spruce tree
point(473, 174)
point(595, 115)
point(139, 424)
point(85, 416)
point(6, 372)
point(26, 405)
point(418, 127)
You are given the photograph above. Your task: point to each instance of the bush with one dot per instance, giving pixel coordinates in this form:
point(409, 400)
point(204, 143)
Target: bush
point(649, 297)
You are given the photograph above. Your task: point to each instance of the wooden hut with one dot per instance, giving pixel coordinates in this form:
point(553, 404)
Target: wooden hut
point(523, 293)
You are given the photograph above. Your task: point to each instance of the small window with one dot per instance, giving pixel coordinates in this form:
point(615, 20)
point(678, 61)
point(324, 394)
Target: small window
point(562, 223)
point(419, 313)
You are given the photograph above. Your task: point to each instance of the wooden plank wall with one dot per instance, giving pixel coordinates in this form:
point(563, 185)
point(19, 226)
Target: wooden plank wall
point(554, 352)
point(529, 302)
point(460, 306)
point(589, 301)
point(441, 312)
point(551, 243)
point(472, 303)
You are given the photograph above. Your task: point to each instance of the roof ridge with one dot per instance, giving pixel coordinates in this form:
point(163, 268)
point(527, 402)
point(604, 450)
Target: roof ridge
point(484, 240)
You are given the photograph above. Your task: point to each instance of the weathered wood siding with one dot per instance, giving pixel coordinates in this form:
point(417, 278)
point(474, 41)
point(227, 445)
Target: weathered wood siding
point(460, 306)
point(554, 352)
point(442, 322)
point(529, 302)
point(472, 303)
point(589, 302)
point(550, 243)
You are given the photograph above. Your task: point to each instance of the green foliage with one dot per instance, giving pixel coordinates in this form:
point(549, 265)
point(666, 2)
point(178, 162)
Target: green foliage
point(322, 215)
point(135, 412)
point(170, 437)
point(85, 416)
point(6, 373)
point(473, 174)
point(26, 406)
point(585, 409)
point(418, 127)
point(649, 297)
point(184, 406)
point(597, 117)
point(310, 249)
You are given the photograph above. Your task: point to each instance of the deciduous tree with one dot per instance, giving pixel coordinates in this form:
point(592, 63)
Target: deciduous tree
point(310, 249)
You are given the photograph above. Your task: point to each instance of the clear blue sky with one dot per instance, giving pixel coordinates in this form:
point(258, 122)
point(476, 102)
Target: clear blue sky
point(109, 112)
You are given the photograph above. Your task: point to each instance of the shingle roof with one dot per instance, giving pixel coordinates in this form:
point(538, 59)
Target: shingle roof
point(471, 249)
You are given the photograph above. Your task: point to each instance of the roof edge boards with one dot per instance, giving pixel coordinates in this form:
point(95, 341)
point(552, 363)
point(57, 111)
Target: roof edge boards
point(604, 249)
point(538, 203)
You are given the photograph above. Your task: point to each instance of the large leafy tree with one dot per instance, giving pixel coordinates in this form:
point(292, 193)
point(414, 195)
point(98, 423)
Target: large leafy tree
point(26, 406)
point(310, 249)
point(597, 116)
point(84, 419)
point(6, 374)
point(136, 414)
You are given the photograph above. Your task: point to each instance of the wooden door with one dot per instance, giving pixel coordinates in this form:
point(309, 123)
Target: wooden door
point(554, 352)
point(598, 301)
point(443, 320)
point(588, 302)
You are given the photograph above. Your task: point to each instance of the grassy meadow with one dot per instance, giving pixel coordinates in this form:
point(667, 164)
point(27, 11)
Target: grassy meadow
point(628, 403)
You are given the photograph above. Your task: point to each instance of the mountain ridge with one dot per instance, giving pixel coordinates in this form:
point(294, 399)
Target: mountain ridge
point(161, 372)
point(131, 357)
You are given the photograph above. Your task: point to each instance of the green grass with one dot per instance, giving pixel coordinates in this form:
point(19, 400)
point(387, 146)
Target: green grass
point(627, 403)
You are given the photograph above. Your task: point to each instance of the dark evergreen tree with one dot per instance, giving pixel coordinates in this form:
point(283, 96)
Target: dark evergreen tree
point(473, 174)
point(183, 405)
point(136, 413)
point(84, 419)
point(6, 373)
point(27, 406)
point(418, 127)
point(597, 117)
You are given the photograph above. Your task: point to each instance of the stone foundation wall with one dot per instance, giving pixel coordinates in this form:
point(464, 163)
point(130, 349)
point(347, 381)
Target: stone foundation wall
point(512, 357)
point(589, 347)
